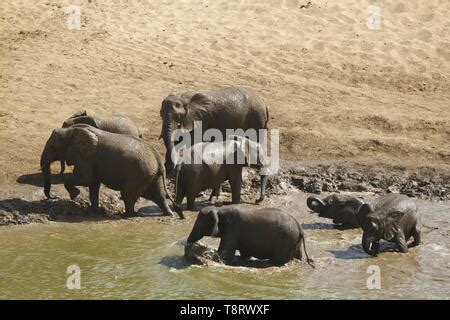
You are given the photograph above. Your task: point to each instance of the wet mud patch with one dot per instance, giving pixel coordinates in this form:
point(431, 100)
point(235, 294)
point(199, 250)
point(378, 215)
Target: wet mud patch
point(32, 207)
point(423, 184)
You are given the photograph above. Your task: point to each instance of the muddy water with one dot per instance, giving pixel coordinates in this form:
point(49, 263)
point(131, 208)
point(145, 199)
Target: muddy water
point(142, 259)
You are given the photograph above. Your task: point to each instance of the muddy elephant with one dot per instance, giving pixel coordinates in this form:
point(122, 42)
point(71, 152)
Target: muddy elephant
point(393, 218)
point(343, 209)
point(260, 233)
point(225, 108)
point(218, 162)
point(116, 124)
point(120, 162)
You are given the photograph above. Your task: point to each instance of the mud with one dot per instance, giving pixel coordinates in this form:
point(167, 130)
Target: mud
point(32, 207)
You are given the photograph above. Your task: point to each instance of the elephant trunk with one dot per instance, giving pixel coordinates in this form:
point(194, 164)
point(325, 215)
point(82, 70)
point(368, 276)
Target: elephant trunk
point(194, 236)
point(46, 160)
point(368, 244)
point(264, 179)
point(315, 204)
point(166, 133)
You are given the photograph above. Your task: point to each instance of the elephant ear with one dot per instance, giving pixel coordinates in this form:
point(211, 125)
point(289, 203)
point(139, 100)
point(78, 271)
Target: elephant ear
point(363, 211)
point(81, 113)
point(213, 223)
point(391, 224)
point(83, 145)
point(225, 220)
point(90, 120)
point(198, 107)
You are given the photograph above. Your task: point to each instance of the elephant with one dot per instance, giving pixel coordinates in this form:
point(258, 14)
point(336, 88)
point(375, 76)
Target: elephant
point(219, 162)
point(118, 124)
point(260, 233)
point(393, 218)
point(224, 108)
point(343, 209)
point(120, 162)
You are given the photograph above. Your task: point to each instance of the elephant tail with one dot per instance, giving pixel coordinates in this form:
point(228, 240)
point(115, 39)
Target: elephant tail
point(175, 205)
point(308, 259)
point(267, 118)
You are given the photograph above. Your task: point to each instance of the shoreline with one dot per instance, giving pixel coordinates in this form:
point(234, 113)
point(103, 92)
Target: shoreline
point(293, 176)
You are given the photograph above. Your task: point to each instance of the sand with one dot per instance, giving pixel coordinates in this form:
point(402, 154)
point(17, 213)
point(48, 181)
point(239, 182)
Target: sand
point(339, 91)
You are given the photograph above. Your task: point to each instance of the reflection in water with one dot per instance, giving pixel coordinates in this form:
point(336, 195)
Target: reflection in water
point(144, 260)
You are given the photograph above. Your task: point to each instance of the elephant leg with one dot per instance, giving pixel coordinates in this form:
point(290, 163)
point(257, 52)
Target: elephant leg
point(191, 202)
point(191, 196)
point(93, 195)
point(227, 248)
point(81, 176)
point(179, 196)
point(157, 194)
point(161, 201)
point(214, 195)
point(416, 234)
point(401, 242)
point(235, 178)
point(129, 204)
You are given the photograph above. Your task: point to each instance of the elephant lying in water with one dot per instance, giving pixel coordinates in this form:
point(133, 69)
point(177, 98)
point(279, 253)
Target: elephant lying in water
point(262, 233)
point(121, 162)
point(215, 168)
point(225, 108)
point(392, 218)
point(118, 124)
point(343, 209)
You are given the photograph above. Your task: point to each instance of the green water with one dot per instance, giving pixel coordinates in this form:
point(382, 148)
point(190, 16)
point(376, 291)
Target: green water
point(143, 259)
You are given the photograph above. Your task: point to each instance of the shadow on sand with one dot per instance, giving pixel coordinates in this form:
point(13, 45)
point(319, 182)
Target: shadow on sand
point(35, 179)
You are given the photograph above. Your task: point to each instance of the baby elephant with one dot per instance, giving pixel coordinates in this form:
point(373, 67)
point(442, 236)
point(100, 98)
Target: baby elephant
point(121, 162)
point(262, 233)
point(393, 218)
point(118, 124)
point(218, 162)
point(342, 209)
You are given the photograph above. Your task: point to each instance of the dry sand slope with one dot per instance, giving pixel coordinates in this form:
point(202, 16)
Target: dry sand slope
point(338, 90)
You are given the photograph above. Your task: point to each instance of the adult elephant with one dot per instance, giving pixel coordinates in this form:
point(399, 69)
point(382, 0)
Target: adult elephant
point(116, 124)
point(262, 233)
point(121, 162)
point(225, 108)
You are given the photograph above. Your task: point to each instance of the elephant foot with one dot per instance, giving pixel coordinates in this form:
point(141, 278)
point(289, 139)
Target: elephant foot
point(258, 201)
point(128, 215)
point(168, 213)
point(98, 210)
point(73, 193)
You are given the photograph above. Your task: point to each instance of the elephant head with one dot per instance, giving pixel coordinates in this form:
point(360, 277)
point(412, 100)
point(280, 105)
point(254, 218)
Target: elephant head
point(377, 225)
point(341, 208)
point(178, 111)
point(207, 224)
point(73, 144)
point(79, 118)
